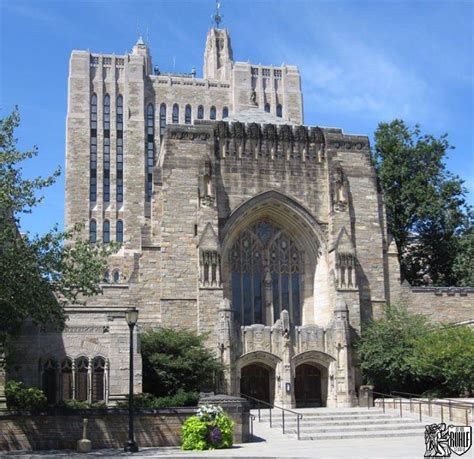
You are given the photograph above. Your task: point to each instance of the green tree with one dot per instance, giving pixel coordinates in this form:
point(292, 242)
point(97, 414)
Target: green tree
point(385, 350)
point(445, 356)
point(427, 210)
point(176, 360)
point(38, 275)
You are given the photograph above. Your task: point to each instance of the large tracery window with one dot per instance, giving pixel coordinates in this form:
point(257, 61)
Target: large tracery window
point(266, 266)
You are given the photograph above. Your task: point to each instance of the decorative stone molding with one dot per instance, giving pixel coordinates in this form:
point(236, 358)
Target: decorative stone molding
point(209, 258)
point(340, 188)
point(188, 135)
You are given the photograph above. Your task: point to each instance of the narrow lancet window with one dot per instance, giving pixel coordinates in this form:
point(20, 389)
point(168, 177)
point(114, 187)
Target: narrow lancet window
point(93, 150)
point(175, 113)
point(212, 113)
point(106, 158)
point(225, 113)
point(150, 149)
point(106, 232)
point(119, 159)
point(119, 231)
point(200, 112)
point(279, 111)
point(267, 108)
point(162, 119)
point(187, 114)
point(93, 231)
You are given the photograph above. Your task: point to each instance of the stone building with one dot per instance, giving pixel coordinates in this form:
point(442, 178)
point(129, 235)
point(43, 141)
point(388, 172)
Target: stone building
point(237, 220)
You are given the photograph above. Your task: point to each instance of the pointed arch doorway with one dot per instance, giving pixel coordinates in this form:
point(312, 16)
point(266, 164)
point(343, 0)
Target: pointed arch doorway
point(255, 381)
point(308, 386)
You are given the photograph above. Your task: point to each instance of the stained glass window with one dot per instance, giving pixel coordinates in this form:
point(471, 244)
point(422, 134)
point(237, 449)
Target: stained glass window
point(265, 250)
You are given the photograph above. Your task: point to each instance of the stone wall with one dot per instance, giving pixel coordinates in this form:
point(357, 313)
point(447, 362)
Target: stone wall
point(106, 429)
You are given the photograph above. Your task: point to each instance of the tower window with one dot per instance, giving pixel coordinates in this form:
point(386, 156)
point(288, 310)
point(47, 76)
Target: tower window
point(279, 111)
point(200, 112)
point(119, 231)
point(150, 149)
point(119, 148)
point(225, 113)
point(162, 119)
point(93, 150)
point(212, 113)
point(187, 114)
point(267, 108)
point(106, 232)
point(106, 159)
point(175, 113)
point(93, 231)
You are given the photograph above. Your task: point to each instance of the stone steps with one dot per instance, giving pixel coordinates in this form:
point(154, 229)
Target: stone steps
point(333, 424)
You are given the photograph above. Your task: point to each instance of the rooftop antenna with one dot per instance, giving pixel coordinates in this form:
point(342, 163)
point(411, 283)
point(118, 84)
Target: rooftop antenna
point(217, 17)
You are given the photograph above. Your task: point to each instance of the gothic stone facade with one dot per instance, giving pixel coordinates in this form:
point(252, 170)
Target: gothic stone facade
point(236, 219)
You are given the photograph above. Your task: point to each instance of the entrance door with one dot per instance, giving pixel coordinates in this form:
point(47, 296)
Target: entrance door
point(307, 385)
point(255, 382)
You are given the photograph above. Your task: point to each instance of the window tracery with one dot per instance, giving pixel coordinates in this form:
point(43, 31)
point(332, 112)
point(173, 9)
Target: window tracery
point(266, 266)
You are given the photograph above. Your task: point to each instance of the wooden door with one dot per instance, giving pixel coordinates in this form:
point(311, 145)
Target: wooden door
point(307, 385)
point(255, 382)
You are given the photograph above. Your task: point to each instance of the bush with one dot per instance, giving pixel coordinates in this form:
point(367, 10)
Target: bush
point(21, 398)
point(211, 428)
point(175, 360)
point(385, 349)
point(446, 356)
point(146, 400)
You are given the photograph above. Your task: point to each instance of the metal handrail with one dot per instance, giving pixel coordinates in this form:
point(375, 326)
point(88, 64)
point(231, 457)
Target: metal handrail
point(271, 406)
point(420, 396)
point(466, 407)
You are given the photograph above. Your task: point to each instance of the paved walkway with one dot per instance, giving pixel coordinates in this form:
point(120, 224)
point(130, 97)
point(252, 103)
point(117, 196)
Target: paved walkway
point(271, 443)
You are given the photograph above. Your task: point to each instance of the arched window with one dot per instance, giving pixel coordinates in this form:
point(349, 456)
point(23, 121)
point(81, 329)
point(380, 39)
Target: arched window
point(119, 231)
point(267, 107)
point(82, 386)
point(93, 231)
point(93, 150)
point(106, 232)
point(175, 114)
point(116, 276)
point(66, 380)
point(119, 159)
point(150, 150)
point(225, 112)
point(187, 114)
point(106, 158)
point(279, 111)
point(98, 380)
point(162, 119)
point(200, 112)
point(106, 276)
point(212, 113)
point(49, 380)
point(261, 252)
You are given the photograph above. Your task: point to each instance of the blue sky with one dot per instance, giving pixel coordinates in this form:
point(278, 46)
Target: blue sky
point(361, 62)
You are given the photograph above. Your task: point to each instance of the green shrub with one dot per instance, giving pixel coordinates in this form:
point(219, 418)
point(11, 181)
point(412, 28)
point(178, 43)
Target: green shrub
point(72, 405)
point(145, 400)
point(21, 398)
point(175, 360)
point(211, 428)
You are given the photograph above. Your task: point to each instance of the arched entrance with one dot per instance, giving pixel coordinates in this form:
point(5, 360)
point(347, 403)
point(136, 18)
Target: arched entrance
point(308, 385)
point(255, 381)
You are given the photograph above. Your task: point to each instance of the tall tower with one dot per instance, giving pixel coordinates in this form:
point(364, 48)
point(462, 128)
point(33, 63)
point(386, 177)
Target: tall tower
point(218, 55)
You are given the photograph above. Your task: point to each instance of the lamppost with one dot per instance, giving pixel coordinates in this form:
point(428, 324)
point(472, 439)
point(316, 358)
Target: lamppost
point(131, 446)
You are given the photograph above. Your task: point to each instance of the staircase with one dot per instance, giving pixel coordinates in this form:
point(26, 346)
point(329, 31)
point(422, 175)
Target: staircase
point(345, 423)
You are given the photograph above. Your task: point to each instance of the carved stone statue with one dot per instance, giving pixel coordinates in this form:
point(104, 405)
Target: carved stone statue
point(253, 97)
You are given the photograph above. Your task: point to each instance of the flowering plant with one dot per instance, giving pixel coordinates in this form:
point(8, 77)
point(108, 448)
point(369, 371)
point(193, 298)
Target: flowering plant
point(211, 428)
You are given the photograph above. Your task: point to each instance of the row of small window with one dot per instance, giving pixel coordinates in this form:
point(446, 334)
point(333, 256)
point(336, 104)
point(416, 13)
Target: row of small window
point(279, 110)
point(105, 231)
point(114, 278)
point(80, 379)
point(188, 115)
point(106, 112)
